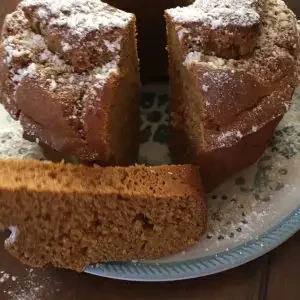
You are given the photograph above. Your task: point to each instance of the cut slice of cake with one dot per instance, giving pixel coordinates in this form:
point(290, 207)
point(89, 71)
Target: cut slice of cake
point(232, 66)
point(69, 70)
point(72, 216)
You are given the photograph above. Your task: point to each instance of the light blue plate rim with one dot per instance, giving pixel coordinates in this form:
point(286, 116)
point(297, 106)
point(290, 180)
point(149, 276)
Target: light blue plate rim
point(206, 265)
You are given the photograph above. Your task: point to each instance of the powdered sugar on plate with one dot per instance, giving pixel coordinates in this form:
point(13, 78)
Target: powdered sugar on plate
point(32, 285)
point(12, 144)
point(251, 202)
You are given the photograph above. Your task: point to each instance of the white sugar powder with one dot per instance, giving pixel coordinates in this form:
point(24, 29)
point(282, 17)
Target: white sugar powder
point(227, 137)
point(13, 235)
point(66, 46)
point(215, 13)
point(4, 277)
point(22, 73)
point(113, 46)
point(205, 88)
point(80, 16)
point(53, 85)
point(192, 57)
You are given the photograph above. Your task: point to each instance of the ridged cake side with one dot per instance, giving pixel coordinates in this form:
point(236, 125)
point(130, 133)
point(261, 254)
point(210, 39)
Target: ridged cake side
point(225, 109)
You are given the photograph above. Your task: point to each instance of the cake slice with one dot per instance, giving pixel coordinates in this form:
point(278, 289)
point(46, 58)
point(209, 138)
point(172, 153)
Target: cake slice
point(72, 216)
point(233, 71)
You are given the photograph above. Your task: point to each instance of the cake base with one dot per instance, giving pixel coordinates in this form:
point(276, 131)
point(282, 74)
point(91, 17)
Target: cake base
point(221, 164)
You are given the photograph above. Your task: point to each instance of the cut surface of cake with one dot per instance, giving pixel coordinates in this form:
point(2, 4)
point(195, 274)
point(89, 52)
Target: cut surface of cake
point(69, 72)
point(151, 34)
point(233, 71)
point(72, 215)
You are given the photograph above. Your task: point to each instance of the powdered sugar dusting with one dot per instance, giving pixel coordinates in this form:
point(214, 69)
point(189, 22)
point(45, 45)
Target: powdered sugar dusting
point(13, 145)
point(13, 235)
point(22, 73)
point(66, 46)
point(205, 88)
point(99, 76)
point(278, 35)
point(192, 57)
point(80, 16)
point(21, 45)
point(227, 138)
point(10, 53)
point(198, 57)
point(113, 46)
point(31, 285)
point(215, 13)
point(26, 54)
point(53, 85)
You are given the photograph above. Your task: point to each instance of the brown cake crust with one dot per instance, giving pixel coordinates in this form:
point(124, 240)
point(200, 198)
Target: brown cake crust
point(76, 39)
point(72, 216)
point(220, 105)
point(72, 105)
point(200, 26)
point(220, 164)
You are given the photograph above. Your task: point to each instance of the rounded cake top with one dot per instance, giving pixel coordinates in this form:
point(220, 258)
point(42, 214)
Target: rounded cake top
point(39, 44)
point(244, 67)
point(79, 16)
point(265, 50)
point(27, 52)
point(58, 60)
point(57, 37)
point(227, 28)
point(216, 13)
point(84, 33)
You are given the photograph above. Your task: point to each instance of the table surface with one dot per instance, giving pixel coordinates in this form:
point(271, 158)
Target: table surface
point(273, 276)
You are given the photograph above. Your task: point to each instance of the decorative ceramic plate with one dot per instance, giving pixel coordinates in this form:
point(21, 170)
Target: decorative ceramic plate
point(249, 215)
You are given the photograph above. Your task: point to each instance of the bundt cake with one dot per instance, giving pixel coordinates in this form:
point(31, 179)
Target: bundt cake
point(233, 71)
point(72, 215)
point(69, 72)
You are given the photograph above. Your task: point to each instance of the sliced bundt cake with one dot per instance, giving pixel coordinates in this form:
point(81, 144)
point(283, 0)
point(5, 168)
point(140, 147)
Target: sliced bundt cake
point(233, 71)
point(69, 72)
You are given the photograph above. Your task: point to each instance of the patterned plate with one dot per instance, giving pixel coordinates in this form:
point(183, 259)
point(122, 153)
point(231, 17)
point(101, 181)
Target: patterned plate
point(249, 215)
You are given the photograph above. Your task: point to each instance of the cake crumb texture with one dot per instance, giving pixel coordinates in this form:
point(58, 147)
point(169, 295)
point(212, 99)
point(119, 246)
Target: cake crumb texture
point(73, 216)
